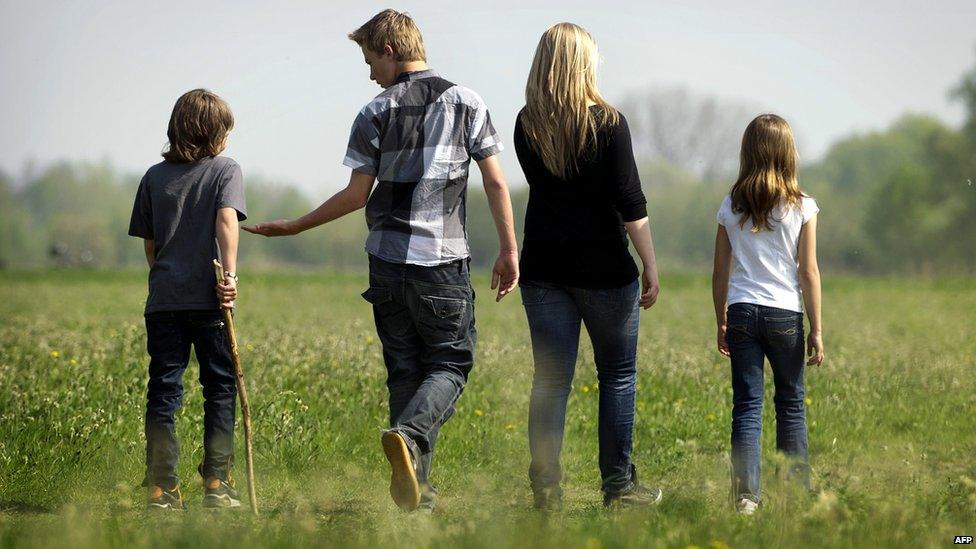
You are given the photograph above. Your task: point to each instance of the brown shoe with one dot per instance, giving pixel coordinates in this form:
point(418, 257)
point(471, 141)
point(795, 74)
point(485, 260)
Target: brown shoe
point(403, 483)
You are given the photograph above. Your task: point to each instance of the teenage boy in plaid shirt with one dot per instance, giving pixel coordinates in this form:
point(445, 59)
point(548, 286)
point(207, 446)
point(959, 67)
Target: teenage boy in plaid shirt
point(415, 141)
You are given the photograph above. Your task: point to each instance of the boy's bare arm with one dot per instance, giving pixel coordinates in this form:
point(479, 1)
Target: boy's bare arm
point(505, 273)
point(227, 238)
point(349, 199)
point(720, 284)
point(150, 246)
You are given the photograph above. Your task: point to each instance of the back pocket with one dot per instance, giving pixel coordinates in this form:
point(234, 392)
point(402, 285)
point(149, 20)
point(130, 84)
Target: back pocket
point(784, 332)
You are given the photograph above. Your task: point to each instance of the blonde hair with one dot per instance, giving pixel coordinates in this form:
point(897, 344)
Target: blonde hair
point(198, 126)
point(394, 28)
point(557, 121)
point(767, 171)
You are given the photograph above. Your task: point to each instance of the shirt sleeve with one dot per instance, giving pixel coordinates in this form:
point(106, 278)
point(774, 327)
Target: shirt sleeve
point(723, 210)
point(810, 208)
point(230, 193)
point(363, 151)
point(483, 140)
point(141, 222)
point(628, 198)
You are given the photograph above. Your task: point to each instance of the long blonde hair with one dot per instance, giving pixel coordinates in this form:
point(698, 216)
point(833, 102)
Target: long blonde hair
point(557, 121)
point(767, 171)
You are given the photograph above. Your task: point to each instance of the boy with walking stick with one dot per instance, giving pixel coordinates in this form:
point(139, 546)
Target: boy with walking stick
point(184, 205)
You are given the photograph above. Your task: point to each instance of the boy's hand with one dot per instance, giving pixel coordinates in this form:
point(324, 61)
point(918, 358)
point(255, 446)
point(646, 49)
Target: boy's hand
point(505, 273)
point(227, 293)
point(279, 227)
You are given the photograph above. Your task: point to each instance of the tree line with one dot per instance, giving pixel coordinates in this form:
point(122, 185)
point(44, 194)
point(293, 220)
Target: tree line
point(898, 200)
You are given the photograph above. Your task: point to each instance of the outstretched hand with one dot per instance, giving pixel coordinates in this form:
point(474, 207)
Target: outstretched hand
point(505, 274)
point(279, 227)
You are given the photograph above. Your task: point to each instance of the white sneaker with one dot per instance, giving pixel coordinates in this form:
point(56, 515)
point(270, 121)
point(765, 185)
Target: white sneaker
point(746, 506)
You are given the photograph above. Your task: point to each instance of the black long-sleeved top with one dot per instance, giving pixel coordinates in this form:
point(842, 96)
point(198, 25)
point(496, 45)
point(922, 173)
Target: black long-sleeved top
point(574, 228)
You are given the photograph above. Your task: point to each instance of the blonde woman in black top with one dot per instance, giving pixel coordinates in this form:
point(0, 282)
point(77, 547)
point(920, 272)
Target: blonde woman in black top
point(585, 198)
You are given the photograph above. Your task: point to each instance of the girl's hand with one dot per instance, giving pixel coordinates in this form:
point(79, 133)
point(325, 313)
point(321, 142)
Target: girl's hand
point(815, 349)
point(723, 345)
point(649, 288)
point(280, 227)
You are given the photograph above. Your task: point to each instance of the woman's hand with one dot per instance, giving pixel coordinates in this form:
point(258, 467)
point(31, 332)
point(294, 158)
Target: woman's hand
point(649, 288)
point(279, 227)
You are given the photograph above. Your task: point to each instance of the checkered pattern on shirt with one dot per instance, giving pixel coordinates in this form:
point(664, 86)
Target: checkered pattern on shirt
point(418, 138)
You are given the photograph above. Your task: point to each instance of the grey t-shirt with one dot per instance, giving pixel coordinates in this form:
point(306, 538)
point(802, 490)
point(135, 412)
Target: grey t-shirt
point(176, 207)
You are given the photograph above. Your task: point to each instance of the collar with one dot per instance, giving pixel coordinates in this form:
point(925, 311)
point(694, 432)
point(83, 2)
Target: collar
point(408, 76)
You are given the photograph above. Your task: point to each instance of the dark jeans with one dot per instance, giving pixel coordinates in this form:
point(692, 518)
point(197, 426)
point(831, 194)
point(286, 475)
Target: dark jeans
point(611, 317)
point(425, 320)
point(170, 335)
point(754, 332)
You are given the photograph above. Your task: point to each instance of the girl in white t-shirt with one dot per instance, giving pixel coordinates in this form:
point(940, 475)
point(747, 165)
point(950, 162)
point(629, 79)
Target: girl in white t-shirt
point(767, 240)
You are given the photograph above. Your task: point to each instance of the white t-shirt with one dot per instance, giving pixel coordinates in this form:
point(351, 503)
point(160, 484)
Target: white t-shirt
point(765, 270)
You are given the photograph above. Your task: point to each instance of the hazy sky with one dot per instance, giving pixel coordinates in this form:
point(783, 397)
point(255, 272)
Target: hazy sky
point(97, 80)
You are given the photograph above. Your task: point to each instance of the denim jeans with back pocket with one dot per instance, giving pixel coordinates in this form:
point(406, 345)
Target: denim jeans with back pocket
point(755, 332)
point(611, 316)
point(425, 320)
point(170, 336)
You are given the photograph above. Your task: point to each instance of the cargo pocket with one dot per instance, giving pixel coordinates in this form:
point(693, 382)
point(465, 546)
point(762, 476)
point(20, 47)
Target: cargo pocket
point(391, 317)
point(441, 318)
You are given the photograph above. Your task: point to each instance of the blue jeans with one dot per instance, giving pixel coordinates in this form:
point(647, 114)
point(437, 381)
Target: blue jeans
point(170, 336)
point(425, 320)
point(611, 317)
point(754, 332)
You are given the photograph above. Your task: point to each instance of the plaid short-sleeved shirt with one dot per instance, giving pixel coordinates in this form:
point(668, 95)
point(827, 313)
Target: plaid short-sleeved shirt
point(418, 138)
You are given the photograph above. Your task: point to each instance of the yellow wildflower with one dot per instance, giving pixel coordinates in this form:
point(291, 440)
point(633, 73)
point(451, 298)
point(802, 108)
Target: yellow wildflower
point(55, 355)
point(478, 413)
point(808, 401)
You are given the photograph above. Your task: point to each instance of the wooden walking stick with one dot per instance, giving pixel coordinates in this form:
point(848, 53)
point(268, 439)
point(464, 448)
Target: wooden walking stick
point(242, 393)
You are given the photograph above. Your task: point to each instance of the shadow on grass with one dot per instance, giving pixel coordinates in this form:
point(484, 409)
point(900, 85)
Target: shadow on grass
point(13, 506)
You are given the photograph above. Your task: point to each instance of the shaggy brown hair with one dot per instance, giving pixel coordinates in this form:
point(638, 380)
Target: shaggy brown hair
point(198, 126)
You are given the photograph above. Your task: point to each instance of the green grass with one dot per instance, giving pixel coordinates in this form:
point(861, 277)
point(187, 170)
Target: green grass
point(890, 416)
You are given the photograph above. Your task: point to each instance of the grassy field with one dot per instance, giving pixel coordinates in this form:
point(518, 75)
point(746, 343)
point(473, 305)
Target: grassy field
point(892, 436)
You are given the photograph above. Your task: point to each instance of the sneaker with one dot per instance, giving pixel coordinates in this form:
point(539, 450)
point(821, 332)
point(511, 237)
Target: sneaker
point(428, 499)
point(548, 499)
point(746, 506)
point(165, 499)
point(634, 495)
point(404, 487)
point(220, 493)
